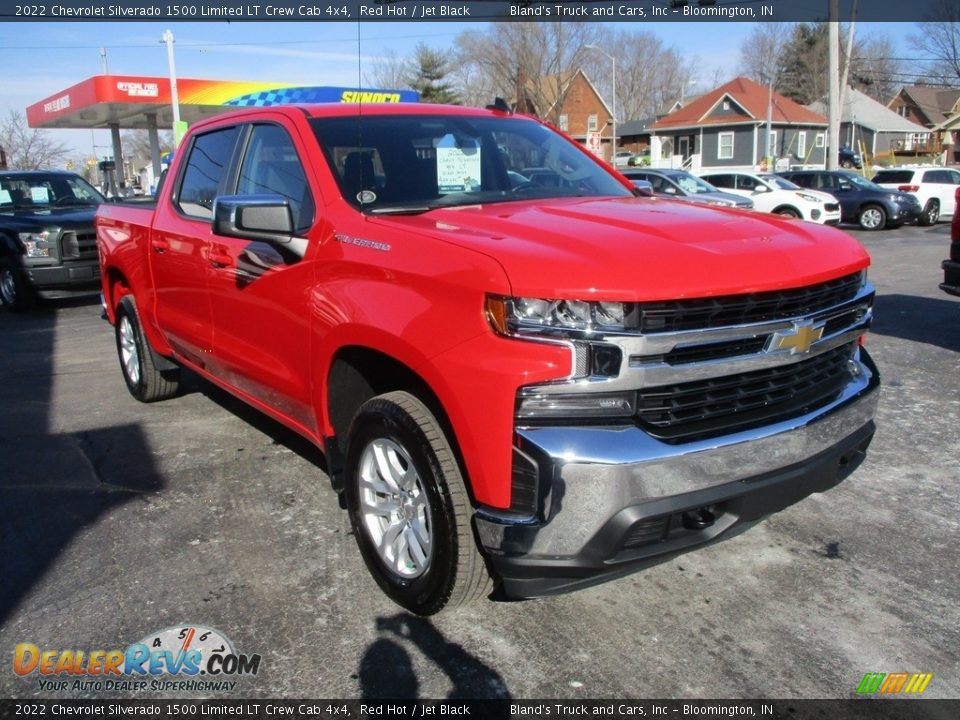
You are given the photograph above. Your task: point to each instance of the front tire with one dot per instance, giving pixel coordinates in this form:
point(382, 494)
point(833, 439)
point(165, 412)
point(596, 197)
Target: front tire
point(409, 507)
point(788, 212)
point(872, 217)
point(931, 213)
point(144, 380)
point(15, 290)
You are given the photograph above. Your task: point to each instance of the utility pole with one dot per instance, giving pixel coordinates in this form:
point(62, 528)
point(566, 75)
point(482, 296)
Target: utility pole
point(833, 113)
point(167, 38)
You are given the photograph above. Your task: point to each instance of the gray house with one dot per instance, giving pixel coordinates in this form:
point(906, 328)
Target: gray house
point(873, 128)
point(727, 128)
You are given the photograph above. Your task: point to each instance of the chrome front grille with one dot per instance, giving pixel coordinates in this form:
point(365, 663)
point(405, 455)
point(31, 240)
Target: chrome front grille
point(722, 365)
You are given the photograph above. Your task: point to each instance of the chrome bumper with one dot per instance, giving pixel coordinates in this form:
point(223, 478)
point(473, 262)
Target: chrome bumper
point(604, 479)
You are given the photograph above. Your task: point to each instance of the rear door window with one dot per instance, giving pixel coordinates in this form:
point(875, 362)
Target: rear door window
point(894, 177)
point(206, 172)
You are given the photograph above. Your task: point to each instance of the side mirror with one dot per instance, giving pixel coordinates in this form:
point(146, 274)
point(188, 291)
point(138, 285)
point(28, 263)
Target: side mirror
point(642, 188)
point(760, 189)
point(254, 217)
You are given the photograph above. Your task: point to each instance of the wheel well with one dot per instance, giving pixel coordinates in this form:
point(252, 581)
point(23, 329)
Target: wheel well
point(115, 280)
point(791, 208)
point(358, 374)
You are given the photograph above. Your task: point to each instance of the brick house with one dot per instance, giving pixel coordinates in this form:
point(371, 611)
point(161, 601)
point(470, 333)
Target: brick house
point(570, 102)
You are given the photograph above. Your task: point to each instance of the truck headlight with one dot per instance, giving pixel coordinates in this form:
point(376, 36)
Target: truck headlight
point(810, 198)
point(35, 244)
point(557, 318)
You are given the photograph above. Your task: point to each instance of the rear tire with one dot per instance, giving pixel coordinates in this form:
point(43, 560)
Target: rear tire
point(144, 381)
point(409, 507)
point(930, 214)
point(872, 217)
point(15, 290)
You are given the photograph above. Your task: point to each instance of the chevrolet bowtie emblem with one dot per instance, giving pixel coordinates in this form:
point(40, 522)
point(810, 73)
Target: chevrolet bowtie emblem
point(797, 339)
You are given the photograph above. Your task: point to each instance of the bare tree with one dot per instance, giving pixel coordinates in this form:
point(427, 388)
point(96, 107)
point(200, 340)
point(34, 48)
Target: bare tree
point(938, 42)
point(875, 69)
point(761, 53)
point(29, 149)
point(389, 72)
point(519, 60)
point(649, 74)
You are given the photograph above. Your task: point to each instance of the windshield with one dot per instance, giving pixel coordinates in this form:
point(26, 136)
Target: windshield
point(779, 182)
point(44, 191)
point(691, 184)
point(387, 164)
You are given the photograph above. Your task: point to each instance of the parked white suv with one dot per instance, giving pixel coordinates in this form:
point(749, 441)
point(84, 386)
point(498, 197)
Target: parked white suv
point(934, 187)
point(774, 194)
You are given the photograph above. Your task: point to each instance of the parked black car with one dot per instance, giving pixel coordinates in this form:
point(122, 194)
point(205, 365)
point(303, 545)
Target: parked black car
point(849, 158)
point(861, 201)
point(47, 239)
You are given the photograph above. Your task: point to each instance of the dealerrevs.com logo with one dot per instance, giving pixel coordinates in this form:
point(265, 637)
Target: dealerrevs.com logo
point(186, 657)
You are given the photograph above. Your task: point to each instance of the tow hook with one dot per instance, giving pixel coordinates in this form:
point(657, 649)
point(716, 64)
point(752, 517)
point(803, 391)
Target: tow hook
point(698, 519)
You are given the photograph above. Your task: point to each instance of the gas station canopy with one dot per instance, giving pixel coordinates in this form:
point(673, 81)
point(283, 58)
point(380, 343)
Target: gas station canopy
point(132, 102)
point(118, 102)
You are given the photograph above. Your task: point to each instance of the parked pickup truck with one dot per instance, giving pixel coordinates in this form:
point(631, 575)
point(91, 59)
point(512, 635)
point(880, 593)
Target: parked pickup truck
point(47, 239)
point(533, 386)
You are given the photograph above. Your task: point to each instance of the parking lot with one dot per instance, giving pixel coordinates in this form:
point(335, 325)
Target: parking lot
point(118, 520)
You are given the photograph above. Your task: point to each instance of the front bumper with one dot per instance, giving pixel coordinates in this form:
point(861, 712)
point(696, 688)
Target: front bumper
point(615, 497)
point(72, 275)
point(905, 213)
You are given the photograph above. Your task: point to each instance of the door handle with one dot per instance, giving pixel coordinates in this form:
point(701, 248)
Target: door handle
point(160, 245)
point(220, 260)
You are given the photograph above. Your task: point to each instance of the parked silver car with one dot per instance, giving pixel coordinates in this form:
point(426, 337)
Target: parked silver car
point(681, 185)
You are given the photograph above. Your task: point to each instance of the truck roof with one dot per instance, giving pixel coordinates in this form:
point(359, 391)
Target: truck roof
point(321, 110)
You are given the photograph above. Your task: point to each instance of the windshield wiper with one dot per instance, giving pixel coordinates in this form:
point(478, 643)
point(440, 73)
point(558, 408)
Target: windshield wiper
point(400, 210)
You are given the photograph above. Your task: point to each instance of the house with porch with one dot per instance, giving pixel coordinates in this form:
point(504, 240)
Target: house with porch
point(727, 128)
point(874, 129)
point(932, 107)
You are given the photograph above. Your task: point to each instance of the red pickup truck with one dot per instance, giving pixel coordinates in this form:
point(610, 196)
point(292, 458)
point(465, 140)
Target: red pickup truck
point(523, 373)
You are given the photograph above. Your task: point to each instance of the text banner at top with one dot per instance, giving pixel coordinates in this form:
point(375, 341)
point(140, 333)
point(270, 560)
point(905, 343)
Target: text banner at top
point(473, 10)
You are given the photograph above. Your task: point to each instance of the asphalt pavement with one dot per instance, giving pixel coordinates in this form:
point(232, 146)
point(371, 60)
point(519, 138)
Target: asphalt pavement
point(119, 520)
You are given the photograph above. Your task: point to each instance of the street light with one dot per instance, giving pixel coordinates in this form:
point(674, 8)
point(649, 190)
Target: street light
point(613, 152)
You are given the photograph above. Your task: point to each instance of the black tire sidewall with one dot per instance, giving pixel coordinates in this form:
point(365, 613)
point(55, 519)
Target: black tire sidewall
point(925, 218)
point(24, 295)
point(128, 309)
point(427, 593)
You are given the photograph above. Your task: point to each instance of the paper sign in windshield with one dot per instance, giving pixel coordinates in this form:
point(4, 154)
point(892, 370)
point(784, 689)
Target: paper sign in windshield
point(5, 197)
point(458, 165)
point(40, 195)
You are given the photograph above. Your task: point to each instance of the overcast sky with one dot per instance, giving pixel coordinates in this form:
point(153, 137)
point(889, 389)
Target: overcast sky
point(41, 59)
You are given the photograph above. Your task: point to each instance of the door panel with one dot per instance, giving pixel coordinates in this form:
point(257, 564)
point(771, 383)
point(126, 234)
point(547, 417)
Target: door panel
point(258, 290)
point(180, 246)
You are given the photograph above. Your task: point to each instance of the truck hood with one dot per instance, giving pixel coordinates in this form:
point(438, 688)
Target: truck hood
point(635, 249)
point(69, 218)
